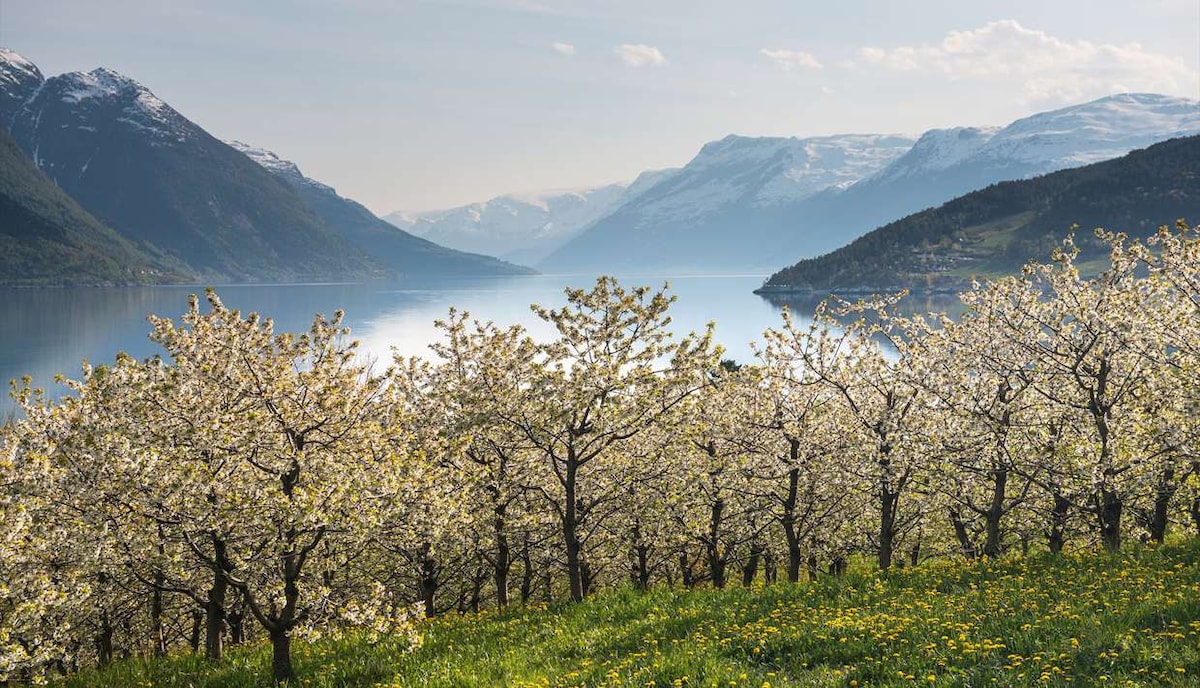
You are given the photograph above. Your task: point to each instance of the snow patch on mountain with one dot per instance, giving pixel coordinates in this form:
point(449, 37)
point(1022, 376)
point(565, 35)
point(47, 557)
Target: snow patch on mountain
point(1098, 130)
point(815, 164)
point(764, 172)
point(16, 70)
point(523, 227)
point(103, 89)
point(938, 149)
point(275, 164)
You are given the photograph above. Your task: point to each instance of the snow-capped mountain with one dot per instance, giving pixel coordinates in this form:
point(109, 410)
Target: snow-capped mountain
point(937, 150)
point(724, 208)
point(523, 228)
point(1099, 130)
point(747, 203)
point(148, 172)
point(400, 251)
point(19, 80)
point(947, 163)
point(1070, 137)
point(284, 169)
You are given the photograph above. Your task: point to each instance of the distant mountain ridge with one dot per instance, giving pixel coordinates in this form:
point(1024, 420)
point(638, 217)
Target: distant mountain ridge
point(722, 208)
point(747, 204)
point(995, 230)
point(181, 196)
point(524, 228)
point(395, 249)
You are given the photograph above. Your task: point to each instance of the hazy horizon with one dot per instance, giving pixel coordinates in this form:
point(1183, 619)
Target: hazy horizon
point(420, 105)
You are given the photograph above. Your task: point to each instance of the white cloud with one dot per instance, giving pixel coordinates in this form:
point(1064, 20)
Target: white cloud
point(792, 59)
point(638, 55)
point(563, 48)
point(1046, 68)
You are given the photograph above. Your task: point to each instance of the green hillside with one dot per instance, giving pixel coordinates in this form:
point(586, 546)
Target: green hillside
point(995, 230)
point(47, 239)
point(1085, 620)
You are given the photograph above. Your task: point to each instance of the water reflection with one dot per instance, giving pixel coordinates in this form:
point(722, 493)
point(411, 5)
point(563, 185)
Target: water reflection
point(44, 332)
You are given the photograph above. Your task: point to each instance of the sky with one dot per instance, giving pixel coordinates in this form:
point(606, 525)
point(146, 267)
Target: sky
point(423, 104)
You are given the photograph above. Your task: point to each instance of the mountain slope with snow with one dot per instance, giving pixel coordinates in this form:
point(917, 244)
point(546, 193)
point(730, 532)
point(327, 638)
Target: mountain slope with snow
point(747, 203)
point(19, 80)
point(946, 163)
point(145, 170)
point(398, 250)
point(524, 228)
point(718, 211)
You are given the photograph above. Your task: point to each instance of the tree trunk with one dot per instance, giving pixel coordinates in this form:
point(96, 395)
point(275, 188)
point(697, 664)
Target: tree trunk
point(281, 657)
point(1109, 516)
point(1196, 515)
point(1163, 493)
point(960, 532)
point(197, 624)
point(104, 641)
point(526, 571)
point(1057, 537)
point(712, 547)
point(157, 631)
point(789, 516)
point(214, 617)
point(428, 583)
point(685, 570)
point(887, 524)
point(587, 576)
point(503, 558)
point(477, 582)
point(813, 566)
point(992, 544)
point(570, 526)
point(837, 566)
point(750, 570)
point(641, 567)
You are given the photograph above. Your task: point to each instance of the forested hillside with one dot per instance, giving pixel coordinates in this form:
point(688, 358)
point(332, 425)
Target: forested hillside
point(994, 231)
point(46, 238)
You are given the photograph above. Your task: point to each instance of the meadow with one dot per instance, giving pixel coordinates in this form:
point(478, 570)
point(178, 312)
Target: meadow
point(1083, 619)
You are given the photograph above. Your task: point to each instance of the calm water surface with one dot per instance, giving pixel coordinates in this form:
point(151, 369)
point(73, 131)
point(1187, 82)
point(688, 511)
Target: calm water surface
point(44, 332)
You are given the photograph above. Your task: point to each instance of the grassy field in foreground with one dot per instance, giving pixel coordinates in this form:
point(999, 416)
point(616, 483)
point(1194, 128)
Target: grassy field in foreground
point(1126, 620)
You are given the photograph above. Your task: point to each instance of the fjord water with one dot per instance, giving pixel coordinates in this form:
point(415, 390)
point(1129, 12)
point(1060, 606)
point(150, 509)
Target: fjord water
point(44, 332)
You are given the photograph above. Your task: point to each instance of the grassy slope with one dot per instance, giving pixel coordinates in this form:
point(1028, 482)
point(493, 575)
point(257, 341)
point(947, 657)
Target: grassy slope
point(1130, 620)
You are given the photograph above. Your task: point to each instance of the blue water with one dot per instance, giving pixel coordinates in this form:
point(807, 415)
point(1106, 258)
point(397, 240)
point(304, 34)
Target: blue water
point(45, 332)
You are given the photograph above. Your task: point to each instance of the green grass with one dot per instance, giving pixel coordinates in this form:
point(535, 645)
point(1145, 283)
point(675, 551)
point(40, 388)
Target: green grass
point(1127, 620)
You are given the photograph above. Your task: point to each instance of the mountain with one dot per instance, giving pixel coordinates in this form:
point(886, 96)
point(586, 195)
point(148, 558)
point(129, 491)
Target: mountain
point(945, 163)
point(523, 227)
point(147, 171)
point(396, 249)
point(725, 208)
point(159, 179)
point(742, 203)
point(19, 80)
point(995, 230)
point(47, 239)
